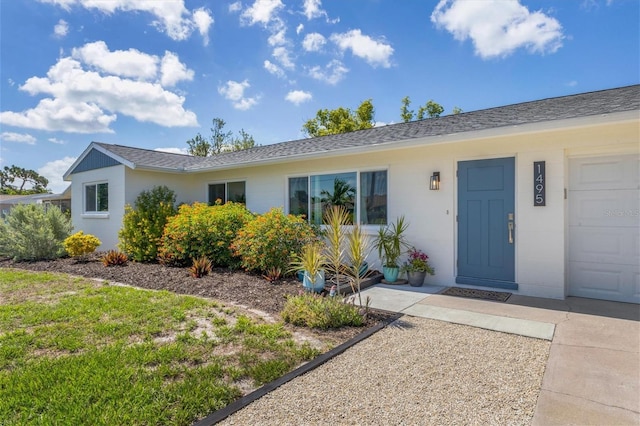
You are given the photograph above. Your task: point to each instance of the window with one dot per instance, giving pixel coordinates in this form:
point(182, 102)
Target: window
point(96, 198)
point(227, 191)
point(312, 195)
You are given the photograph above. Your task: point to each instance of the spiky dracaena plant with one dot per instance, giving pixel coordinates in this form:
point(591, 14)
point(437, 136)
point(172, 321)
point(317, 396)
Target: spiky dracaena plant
point(358, 249)
point(335, 219)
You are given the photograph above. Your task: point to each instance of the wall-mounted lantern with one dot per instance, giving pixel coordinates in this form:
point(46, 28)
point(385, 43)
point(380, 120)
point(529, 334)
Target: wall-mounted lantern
point(434, 182)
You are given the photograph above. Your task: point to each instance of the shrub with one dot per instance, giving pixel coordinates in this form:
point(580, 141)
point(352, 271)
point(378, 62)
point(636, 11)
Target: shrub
point(271, 240)
point(201, 230)
point(200, 267)
point(31, 232)
point(114, 258)
point(80, 244)
point(143, 224)
point(314, 311)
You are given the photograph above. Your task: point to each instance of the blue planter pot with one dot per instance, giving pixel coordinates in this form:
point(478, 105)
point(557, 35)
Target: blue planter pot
point(318, 286)
point(390, 274)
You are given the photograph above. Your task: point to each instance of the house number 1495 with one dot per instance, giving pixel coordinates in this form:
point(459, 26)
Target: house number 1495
point(539, 183)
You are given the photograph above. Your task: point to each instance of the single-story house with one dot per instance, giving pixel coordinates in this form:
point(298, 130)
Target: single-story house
point(62, 201)
point(540, 198)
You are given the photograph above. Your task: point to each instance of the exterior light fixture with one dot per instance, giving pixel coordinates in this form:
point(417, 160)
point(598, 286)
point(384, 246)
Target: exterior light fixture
point(434, 182)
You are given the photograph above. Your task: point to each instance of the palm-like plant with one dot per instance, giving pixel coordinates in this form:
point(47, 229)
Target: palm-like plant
point(358, 249)
point(311, 260)
point(335, 218)
point(391, 242)
point(343, 194)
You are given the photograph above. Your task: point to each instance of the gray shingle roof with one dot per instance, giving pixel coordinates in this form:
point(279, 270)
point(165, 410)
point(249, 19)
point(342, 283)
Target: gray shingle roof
point(545, 110)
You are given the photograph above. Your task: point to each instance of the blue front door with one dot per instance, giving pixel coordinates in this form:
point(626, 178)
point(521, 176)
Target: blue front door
point(486, 223)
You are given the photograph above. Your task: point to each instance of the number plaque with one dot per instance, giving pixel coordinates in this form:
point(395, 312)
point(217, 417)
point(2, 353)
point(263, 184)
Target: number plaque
point(539, 184)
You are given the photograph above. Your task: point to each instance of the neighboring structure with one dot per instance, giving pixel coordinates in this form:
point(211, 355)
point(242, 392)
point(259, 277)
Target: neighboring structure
point(62, 201)
point(540, 198)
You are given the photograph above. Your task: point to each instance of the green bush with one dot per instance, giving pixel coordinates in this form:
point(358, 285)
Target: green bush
point(201, 230)
point(270, 241)
point(315, 311)
point(31, 232)
point(80, 244)
point(143, 224)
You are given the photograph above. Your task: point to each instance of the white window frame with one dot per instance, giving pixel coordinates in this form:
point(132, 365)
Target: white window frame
point(96, 212)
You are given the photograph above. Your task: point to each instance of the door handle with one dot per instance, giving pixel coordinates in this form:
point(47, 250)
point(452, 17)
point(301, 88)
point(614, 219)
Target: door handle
point(510, 227)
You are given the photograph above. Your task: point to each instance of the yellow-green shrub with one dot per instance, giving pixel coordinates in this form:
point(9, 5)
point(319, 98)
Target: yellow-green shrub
point(270, 241)
point(202, 230)
point(80, 244)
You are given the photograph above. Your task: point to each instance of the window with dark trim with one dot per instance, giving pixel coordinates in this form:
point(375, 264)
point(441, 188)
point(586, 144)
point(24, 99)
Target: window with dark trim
point(227, 191)
point(96, 198)
point(362, 194)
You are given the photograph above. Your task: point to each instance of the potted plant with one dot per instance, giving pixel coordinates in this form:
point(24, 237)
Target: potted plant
point(390, 242)
point(311, 263)
point(417, 267)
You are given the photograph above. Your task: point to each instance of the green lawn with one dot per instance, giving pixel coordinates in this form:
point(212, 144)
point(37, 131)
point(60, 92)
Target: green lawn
point(75, 351)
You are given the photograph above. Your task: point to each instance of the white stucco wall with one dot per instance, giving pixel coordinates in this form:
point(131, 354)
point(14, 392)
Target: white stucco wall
point(540, 237)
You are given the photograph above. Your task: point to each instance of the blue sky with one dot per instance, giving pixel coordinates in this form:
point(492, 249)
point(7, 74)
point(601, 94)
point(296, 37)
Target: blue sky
point(153, 74)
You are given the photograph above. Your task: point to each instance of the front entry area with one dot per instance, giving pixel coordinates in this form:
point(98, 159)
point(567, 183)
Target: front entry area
point(604, 228)
point(486, 223)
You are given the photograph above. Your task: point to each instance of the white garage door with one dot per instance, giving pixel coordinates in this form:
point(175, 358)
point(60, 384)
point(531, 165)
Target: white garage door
point(604, 228)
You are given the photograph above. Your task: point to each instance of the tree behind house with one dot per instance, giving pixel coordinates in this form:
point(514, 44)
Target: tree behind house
point(220, 141)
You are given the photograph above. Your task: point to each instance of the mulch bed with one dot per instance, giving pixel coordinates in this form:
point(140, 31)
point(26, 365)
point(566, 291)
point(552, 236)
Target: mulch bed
point(238, 288)
point(497, 296)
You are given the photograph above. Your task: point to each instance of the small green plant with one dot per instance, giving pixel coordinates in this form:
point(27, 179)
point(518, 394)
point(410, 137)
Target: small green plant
point(144, 223)
point(203, 230)
point(358, 249)
point(391, 241)
point(269, 241)
point(114, 258)
point(80, 244)
point(31, 232)
point(310, 261)
point(201, 266)
point(315, 311)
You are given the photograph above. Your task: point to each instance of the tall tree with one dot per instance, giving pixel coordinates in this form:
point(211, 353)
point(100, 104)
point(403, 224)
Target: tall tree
point(340, 120)
point(431, 109)
point(220, 141)
point(9, 175)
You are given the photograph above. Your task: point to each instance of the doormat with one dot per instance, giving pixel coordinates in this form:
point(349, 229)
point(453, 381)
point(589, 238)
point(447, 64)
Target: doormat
point(498, 296)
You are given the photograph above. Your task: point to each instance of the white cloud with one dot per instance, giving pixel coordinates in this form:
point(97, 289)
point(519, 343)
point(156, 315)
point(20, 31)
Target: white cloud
point(203, 20)
point(56, 114)
point(173, 71)
point(234, 91)
point(278, 37)
point(126, 63)
point(313, 42)
point(298, 96)
point(171, 17)
point(273, 68)
point(262, 12)
point(235, 7)
point(18, 137)
point(61, 29)
point(282, 55)
point(85, 101)
point(11, 82)
point(332, 74)
point(53, 171)
point(173, 150)
point(374, 52)
point(56, 141)
point(299, 28)
point(497, 28)
point(312, 9)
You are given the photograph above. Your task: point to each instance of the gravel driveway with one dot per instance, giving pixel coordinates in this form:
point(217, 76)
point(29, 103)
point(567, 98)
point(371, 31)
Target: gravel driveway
point(415, 372)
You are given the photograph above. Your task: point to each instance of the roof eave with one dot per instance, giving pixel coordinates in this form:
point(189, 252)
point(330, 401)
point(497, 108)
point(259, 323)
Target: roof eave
point(510, 130)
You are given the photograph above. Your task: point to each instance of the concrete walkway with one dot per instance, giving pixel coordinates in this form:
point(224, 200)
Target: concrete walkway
point(593, 372)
